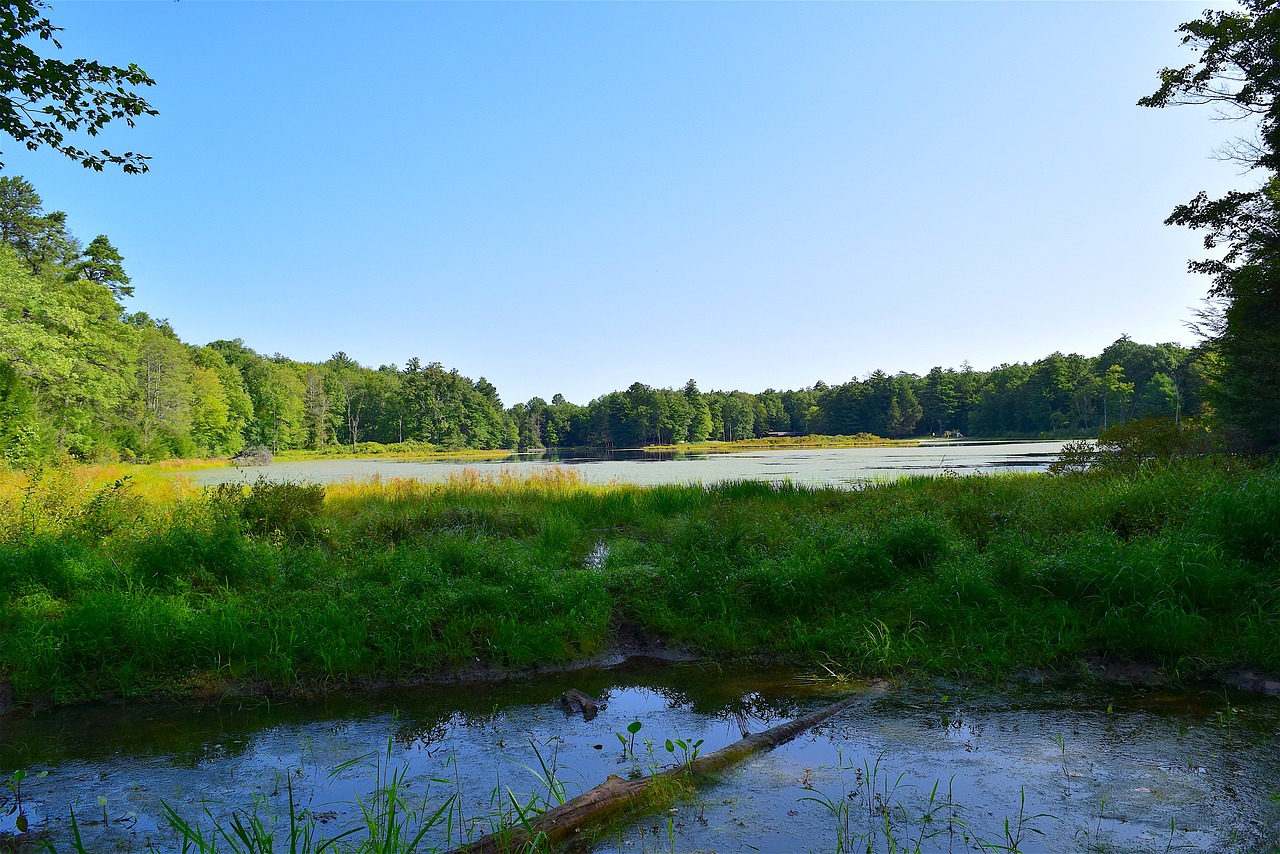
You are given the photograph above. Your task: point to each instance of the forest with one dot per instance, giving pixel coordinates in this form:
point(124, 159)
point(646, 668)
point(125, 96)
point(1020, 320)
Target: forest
point(83, 376)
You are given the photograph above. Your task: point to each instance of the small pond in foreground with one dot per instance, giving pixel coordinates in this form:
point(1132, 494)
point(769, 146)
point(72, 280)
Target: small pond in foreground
point(805, 466)
point(1087, 767)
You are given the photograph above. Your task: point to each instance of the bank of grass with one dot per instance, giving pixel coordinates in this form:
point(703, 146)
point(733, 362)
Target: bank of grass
point(858, 440)
point(114, 586)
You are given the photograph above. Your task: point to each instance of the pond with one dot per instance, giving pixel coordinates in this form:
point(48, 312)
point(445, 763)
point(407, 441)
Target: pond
point(805, 466)
point(950, 766)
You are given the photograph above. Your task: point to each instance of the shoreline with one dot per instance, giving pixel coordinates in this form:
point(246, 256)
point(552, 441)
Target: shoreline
point(499, 455)
point(207, 692)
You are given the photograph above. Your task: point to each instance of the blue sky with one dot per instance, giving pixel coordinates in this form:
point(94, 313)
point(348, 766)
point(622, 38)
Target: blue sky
point(570, 197)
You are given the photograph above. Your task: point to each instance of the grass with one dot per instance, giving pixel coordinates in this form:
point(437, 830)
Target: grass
point(119, 582)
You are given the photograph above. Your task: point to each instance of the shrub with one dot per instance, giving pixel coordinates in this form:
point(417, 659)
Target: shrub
point(914, 542)
point(270, 507)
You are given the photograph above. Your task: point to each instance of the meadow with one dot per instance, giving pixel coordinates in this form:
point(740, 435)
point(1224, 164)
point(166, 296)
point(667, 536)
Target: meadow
point(126, 582)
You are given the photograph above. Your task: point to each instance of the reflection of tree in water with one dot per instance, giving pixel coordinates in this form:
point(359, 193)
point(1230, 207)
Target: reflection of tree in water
point(746, 709)
point(421, 733)
point(185, 737)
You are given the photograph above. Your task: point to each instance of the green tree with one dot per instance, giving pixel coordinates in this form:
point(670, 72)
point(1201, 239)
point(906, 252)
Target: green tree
point(346, 382)
point(1117, 395)
point(163, 412)
point(40, 239)
point(43, 99)
point(939, 399)
point(700, 425)
point(220, 412)
point(68, 342)
point(1237, 72)
point(22, 435)
point(739, 416)
point(21, 209)
point(102, 263)
point(277, 394)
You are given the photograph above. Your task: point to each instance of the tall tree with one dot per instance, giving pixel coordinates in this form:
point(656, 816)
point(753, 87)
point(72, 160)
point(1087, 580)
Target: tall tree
point(102, 263)
point(1237, 72)
point(20, 210)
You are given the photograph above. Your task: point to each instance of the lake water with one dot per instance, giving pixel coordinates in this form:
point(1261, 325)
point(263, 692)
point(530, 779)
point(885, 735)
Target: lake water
point(1086, 767)
point(810, 467)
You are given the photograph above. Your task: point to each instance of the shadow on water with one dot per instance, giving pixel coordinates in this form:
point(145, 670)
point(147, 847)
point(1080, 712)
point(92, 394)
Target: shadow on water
point(1085, 767)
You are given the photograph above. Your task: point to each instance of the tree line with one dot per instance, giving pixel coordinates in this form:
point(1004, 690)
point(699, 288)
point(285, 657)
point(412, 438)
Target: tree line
point(81, 375)
point(84, 376)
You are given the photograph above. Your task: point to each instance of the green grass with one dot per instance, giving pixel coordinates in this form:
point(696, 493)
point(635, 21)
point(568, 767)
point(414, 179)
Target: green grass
point(117, 589)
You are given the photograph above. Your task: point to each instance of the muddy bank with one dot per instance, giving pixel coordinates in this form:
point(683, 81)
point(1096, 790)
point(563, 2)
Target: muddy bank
point(633, 648)
point(628, 647)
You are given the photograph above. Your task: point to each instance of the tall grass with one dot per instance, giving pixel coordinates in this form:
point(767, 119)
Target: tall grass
point(119, 583)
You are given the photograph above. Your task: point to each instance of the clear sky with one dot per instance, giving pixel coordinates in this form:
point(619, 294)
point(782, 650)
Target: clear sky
point(570, 197)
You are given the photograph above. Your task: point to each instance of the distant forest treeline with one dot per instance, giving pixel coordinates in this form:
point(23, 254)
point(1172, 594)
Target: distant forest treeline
point(82, 375)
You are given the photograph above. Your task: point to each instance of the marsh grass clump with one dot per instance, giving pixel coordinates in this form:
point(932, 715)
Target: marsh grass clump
point(284, 508)
point(116, 582)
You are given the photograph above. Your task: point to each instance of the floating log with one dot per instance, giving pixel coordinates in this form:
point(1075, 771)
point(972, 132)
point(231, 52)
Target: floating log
point(593, 808)
point(575, 701)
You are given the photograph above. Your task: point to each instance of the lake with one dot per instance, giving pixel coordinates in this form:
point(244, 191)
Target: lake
point(840, 467)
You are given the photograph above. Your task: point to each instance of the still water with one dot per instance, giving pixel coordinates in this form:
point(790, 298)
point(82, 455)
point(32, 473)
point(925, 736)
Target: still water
point(1049, 768)
point(809, 467)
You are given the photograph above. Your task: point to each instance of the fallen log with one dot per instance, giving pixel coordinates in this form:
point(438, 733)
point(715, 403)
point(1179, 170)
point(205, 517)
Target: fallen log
point(574, 701)
point(594, 808)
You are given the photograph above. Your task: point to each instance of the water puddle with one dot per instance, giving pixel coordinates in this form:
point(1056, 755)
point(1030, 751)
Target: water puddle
point(598, 558)
point(1047, 769)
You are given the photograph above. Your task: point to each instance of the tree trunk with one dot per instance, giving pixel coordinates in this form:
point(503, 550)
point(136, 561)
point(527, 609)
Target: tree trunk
point(594, 808)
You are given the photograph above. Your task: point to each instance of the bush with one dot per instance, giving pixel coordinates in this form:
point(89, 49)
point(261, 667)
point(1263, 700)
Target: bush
point(915, 542)
point(270, 507)
point(1129, 446)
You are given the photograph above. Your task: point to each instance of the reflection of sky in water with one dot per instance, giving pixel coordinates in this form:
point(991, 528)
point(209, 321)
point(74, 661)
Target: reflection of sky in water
point(810, 467)
point(1083, 770)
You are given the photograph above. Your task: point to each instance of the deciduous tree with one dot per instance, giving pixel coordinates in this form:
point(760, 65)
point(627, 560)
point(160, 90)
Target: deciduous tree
point(1237, 72)
point(44, 99)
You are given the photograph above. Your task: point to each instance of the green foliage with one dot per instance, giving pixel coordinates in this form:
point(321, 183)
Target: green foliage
point(286, 508)
point(1245, 518)
point(1132, 445)
point(915, 543)
point(1237, 71)
point(104, 590)
point(101, 384)
point(23, 439)
point(43, 99)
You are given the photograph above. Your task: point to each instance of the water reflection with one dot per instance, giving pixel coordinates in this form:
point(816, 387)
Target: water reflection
point(1095, 765)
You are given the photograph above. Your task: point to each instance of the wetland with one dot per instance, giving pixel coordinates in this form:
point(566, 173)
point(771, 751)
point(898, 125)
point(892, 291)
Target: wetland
point(167, 643)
